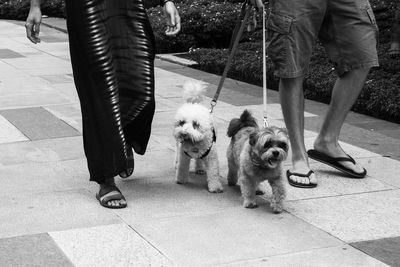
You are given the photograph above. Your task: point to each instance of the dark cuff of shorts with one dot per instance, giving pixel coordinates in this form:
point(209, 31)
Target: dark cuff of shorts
point(340, 70)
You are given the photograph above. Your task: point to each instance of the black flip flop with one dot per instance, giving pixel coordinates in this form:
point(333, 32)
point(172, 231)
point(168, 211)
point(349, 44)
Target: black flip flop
point(104, 200)
point(300, 185)
point(335, 163)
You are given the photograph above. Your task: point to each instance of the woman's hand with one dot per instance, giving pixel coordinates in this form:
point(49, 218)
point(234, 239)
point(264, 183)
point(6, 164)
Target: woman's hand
point(32, 24)
point(172, 18)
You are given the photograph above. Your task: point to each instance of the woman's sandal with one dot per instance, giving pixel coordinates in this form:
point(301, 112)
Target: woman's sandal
point(394, 53)
point(394, 50)
point(131, 163)
point(103, 198)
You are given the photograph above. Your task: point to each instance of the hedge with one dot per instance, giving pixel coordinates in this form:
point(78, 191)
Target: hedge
point(19, 9)
point(205, 24)
point(380, 96)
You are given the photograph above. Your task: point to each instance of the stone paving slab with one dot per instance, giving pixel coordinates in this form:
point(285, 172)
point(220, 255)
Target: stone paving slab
point(28, 100)
point(386, 250)
point(18, 85)
point(8, 53)
point(25, 214)
point(112, 245)
point(32, 250)
point(49, 150)
point(383, 169)
point(8, 132)
point(38, 124)
point(231, 235)
point(327, 257)
point(352, 218)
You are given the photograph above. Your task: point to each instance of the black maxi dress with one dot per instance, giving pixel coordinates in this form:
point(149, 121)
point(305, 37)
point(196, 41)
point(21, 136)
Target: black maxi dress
point(112, 55)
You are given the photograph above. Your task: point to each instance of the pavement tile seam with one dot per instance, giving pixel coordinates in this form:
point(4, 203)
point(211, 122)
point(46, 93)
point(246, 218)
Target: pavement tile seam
point(336, 196)
point(146, 240)
point(244, 261)
point(130, 235)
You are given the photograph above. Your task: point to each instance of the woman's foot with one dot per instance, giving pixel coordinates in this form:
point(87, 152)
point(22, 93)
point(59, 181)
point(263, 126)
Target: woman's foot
point(131, 163)
point(394, 50)
point(110, 196)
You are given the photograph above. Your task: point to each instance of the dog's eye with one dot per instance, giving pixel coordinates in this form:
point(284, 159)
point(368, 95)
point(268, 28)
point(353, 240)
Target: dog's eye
point(267, 144)
point(282, 145)
point(195, 124)
point(181, 123)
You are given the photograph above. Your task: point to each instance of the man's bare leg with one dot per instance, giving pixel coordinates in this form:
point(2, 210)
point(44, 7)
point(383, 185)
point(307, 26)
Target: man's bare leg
point(292, 102)
point(344, 94)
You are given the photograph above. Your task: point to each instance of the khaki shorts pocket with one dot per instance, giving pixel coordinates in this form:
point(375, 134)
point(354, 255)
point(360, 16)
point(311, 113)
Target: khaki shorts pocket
point(371, 17)
point(278, 28)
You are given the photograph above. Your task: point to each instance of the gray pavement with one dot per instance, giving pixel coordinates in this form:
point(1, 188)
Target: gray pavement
point(50, 217)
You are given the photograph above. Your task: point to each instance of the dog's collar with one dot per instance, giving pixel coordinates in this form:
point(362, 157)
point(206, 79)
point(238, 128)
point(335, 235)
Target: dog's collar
point(205, 154)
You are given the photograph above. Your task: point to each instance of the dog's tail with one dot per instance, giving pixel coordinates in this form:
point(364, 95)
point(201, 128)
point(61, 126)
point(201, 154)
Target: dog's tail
point(193, 91)
point(245, 120)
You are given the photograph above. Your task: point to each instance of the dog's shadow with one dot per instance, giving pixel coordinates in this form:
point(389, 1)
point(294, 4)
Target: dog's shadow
point(152, 187)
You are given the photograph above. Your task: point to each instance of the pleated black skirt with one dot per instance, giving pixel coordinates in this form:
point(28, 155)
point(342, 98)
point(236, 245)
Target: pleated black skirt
point(112, 55)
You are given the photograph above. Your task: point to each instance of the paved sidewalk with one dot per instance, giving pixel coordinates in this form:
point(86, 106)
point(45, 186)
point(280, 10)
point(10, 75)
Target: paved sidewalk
point(50, 217)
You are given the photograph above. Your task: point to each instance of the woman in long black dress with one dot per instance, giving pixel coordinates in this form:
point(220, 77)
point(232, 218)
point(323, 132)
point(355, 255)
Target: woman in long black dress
point(112, 55)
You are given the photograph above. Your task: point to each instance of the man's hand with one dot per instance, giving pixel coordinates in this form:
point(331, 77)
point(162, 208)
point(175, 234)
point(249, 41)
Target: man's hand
point(258, 4)
point(32, 24)
point(172, 18)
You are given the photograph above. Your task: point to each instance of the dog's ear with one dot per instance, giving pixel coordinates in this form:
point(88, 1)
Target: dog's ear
point(253, 139)
point(284, 130)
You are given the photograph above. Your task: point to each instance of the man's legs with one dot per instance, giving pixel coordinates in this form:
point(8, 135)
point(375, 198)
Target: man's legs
point(292, 102)
point(344, 94)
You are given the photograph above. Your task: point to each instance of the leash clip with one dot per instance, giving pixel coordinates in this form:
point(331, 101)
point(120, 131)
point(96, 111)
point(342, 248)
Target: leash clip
point(213, 104)
point(265, 122)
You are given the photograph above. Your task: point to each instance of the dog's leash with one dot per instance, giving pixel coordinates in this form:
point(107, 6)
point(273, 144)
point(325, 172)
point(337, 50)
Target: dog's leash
point(237, 34)
point(265, 118)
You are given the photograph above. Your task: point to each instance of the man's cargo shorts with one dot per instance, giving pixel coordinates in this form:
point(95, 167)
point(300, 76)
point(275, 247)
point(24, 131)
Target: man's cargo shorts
point(347, 29)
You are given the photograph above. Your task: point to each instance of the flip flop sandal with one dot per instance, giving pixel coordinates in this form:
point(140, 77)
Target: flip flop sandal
point(300, 185)
point(335, 163)
point(131, 163)
point(103, 200)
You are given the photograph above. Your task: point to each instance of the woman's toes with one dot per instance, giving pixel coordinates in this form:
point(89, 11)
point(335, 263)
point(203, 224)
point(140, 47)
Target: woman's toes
point(313, 179)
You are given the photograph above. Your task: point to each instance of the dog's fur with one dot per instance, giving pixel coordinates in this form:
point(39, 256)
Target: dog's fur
point(255, 155)
point(194, 133)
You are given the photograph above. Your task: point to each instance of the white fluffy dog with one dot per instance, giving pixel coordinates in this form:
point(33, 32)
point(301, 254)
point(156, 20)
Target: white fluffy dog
point(195, 137)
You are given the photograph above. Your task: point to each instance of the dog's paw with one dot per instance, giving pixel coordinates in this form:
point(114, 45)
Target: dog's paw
point(232, 183)
point(250, 204)
point(201, 172)
point(277, 208)
point(180, 182)
point(215, 188)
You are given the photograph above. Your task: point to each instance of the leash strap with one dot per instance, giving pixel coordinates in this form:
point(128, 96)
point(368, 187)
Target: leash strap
point(265, 121)
point(244, 15)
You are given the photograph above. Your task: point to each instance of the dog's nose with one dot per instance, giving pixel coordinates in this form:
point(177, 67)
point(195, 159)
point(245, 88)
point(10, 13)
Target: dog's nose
point(275, 153)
